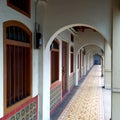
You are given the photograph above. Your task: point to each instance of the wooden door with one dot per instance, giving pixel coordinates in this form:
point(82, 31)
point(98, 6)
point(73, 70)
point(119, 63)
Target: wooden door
point(64, 68)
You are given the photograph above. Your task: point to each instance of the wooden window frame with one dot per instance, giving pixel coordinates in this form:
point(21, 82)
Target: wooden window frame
point(55, 50)
point(16, 43)
point(19, 10)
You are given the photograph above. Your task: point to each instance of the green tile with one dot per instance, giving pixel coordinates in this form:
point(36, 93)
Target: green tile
point(27, 109)
point(12, 118)
point(23, 112)
point(18, 116)
point(27, 117)
point(31, 105)
point(31, 113)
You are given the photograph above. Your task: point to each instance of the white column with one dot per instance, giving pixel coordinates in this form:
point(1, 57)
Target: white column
point(44, 69)
point(88, 61)
point(107, 70)
point(69, 64)
point(84, 64)
point(76, 64)
point(60, 61)
point(116, 62)
point(91, 60)
point(44, 85)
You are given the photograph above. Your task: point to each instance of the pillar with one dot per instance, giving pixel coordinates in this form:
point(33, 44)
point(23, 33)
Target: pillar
point(76, 65)
point(85, 61)
point(107, 70)
point(82, 64)
point(43, 68)
point(116, 61)
point(88, 61)
point(91, 60)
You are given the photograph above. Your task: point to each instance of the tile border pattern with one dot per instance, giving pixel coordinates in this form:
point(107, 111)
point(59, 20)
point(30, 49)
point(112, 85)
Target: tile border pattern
point(27, 111)
point(71, 82)
point(55, 95)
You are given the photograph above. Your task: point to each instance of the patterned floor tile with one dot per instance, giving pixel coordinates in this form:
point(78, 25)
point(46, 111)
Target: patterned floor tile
point(87, 103)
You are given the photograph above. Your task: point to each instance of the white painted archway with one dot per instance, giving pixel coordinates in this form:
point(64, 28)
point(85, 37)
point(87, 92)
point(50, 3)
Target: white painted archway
point(46, 64)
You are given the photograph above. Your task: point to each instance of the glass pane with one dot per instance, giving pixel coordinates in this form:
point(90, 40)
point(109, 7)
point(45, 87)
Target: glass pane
point(18, 34)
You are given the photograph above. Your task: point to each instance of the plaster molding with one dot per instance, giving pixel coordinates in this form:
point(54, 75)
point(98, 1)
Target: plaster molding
point(107, 70)
point(115, 90)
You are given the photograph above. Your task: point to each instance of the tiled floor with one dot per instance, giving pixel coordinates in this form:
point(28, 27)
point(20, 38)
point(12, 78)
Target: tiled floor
point(107, 103)
point(87, 102)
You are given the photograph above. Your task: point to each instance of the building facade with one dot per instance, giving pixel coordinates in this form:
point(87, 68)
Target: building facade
point(47, 46)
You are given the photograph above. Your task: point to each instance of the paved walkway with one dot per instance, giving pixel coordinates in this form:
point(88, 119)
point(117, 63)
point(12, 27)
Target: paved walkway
point(87, 102)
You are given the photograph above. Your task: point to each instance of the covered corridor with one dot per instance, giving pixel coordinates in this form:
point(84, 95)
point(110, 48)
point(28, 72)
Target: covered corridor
point(90, 102)
point(47, 49)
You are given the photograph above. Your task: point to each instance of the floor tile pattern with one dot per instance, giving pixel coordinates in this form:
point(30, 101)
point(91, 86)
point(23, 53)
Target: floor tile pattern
point(87, 103)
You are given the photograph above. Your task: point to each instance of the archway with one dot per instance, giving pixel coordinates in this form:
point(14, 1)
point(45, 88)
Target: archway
point(64, 34)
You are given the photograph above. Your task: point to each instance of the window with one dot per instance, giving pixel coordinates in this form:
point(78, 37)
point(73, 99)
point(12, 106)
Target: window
point(72, 58)
point(22, 6)
point(17, 63)
point(54, 61)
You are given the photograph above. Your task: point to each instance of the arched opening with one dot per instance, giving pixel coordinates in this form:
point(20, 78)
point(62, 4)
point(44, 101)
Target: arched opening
point(84, 59)
point(97, 59)
point(71, 28)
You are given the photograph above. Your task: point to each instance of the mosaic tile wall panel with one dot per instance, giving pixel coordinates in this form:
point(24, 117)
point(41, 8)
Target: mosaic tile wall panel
point(71, 82)
point(27, 111)
point(55, 95)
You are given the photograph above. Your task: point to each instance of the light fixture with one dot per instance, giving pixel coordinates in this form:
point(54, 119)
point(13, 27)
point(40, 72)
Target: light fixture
point(38, 40)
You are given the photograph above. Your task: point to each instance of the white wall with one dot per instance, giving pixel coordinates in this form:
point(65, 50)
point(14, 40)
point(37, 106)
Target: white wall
point(7, 13)
point(61, 13)
point(66, 36)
